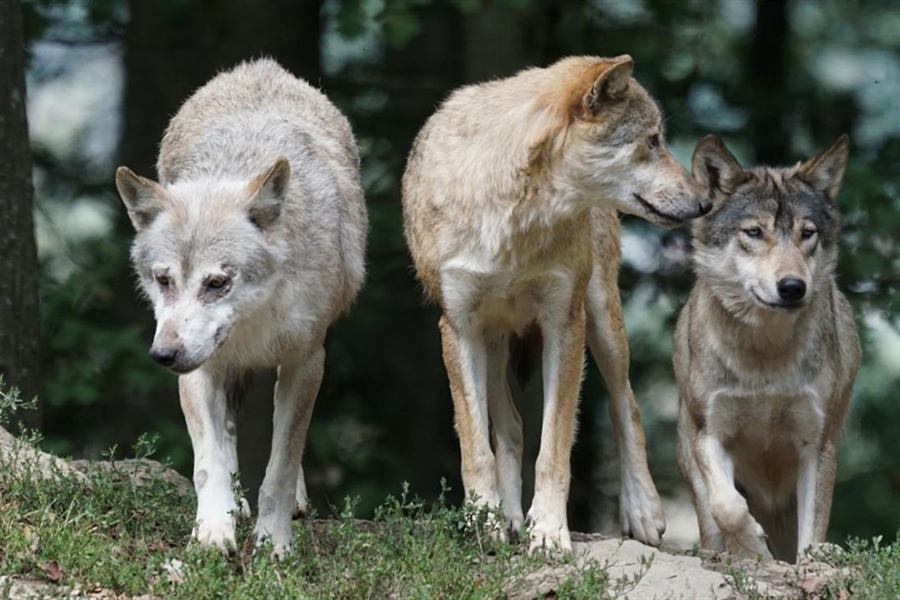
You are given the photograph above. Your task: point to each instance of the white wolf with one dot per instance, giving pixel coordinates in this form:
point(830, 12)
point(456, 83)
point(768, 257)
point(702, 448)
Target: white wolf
point(249, 247)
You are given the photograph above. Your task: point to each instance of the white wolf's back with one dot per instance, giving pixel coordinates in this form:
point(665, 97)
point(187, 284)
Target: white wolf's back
point(234, 128)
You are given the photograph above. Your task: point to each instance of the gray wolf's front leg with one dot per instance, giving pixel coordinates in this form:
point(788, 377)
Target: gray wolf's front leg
point(299, 379)
point(214, 441)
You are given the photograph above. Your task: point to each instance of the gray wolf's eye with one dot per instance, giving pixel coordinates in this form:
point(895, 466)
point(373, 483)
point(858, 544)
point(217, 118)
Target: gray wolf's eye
point(654, 141)
point(753, 232)
point(807, 233)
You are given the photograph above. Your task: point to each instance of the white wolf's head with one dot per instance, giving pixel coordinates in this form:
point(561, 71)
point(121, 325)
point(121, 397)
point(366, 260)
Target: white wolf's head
point(771, 240)
point(206, 256)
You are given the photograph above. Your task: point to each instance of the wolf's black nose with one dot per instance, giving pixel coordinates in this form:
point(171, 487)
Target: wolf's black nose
point(705, 206)
point(791, 289)
point(164, 356)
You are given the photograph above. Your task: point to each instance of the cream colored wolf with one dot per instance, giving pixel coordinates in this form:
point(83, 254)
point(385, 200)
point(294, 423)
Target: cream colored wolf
point(509, 201)
point(249, 247)
point(766, 352)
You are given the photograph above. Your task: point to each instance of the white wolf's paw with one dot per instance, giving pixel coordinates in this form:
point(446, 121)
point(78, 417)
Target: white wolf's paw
point(279, 537)
point(548, 532)
point(243, 512)
point(640, 511)
point(216, 533)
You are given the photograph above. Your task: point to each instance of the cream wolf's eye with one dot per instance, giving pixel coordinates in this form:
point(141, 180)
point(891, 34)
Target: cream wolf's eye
point(753, 232)
point(654, 140)
point(807, 233)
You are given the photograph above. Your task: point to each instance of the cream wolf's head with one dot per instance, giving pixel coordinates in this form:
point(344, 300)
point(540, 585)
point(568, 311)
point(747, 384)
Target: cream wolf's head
point(771, 240)
point(609, 142)
point(206, 254)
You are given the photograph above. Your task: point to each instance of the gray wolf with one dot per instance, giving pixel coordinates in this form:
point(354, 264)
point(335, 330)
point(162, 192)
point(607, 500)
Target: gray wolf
point(250, 245)
point(766, 352)
point(509, 200)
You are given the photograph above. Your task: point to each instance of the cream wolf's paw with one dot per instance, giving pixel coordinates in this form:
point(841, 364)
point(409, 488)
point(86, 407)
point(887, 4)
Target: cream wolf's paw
point(640, 511)
point(548, 532)
point(750, 542)
point(218, 533)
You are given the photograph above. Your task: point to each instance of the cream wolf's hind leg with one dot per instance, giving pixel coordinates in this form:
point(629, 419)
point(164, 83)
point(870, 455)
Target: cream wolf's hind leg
point(299, 378)
point(640, 510)
point(214, 441)
point(506, 426)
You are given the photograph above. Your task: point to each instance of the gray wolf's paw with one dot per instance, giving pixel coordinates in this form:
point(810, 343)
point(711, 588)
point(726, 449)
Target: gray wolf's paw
point(216, 533)
point(548, 532)
point(640, 511)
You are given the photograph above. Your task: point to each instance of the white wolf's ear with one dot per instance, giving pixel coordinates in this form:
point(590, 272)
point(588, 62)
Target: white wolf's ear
point(715, 168)
point(612, 82)
point(143, 198)
point(267, 193)
point(825, 171)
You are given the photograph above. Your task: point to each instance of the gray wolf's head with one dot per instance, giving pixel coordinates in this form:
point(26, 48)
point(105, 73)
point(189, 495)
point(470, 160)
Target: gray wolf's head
point(206, 256)
point(771, 239)
point(614, 145)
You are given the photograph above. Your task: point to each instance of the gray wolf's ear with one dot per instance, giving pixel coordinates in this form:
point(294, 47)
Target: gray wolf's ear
point(267, 193)
point(143, 198)
point(715, 168)
point(611, 83)
point(825, 171)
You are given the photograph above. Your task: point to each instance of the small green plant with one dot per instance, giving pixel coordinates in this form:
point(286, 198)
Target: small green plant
point(106, 530)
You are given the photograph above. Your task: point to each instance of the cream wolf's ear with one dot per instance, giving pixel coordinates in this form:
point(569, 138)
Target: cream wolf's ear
point(611, 83)
point(715, 168)
point(825, 171)
point(267, 193)
point(143, 198)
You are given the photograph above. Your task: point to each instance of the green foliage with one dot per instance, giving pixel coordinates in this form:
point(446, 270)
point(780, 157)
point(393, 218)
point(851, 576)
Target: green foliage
point(106, 532)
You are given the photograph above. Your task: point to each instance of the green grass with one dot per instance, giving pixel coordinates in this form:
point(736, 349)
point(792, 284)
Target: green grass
point(104, 532)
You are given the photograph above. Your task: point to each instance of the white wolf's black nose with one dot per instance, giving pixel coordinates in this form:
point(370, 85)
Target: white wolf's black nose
point(791, 289)
point(164, 356)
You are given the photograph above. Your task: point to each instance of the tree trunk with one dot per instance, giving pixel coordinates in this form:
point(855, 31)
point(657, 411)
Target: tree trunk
point(19, 308)
point(767, 68)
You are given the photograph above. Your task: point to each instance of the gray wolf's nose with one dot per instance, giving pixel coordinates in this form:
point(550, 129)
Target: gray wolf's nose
point(791, 289)
point(705, 206)
point(164, 356)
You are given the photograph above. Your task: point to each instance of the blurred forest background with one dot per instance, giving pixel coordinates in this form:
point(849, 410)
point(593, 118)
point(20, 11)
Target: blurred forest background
point(778, 80)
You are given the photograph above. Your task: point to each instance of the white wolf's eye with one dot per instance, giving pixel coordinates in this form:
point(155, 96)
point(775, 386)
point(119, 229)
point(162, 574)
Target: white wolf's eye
point(753, 232)
point(218, 282)
point(807, 233)
point(163, 280)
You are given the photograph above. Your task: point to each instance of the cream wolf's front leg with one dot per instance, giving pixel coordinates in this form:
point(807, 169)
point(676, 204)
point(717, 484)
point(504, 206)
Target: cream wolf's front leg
point(640, 509)
point(299, 378)
point(743, 535)
point(214, 441)
point(465, 357)
point(563, 366)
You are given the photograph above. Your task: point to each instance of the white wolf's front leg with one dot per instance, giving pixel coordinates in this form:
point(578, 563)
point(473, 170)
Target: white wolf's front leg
point(563, 366)
point(213, 438)
point(299, 378)
point(743, 535)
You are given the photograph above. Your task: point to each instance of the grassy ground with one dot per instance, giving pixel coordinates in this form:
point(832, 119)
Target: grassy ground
point(102, 533)
point(106, 533)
